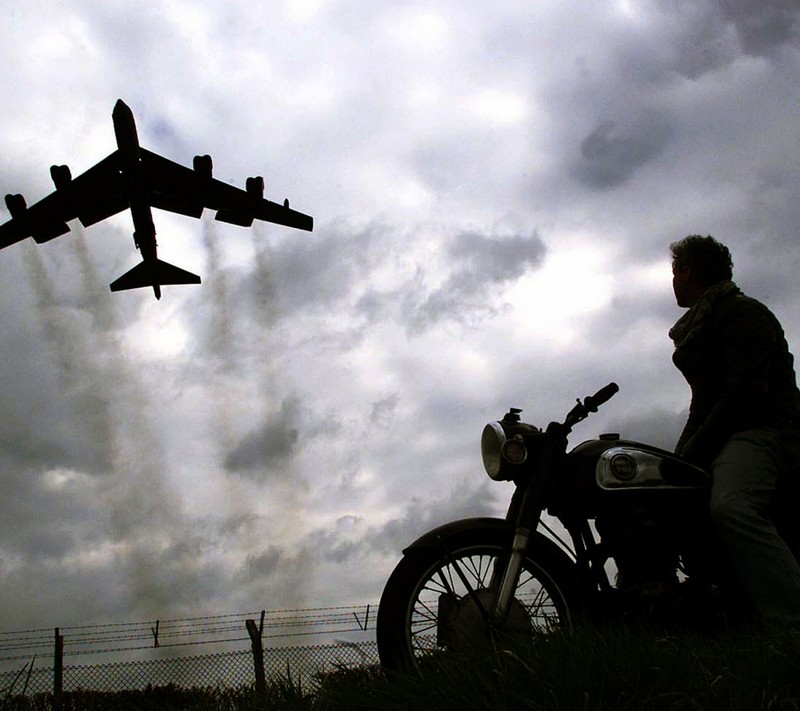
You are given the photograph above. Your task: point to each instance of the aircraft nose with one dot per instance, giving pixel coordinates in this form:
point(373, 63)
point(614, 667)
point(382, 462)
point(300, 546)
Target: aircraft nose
point(121, 108)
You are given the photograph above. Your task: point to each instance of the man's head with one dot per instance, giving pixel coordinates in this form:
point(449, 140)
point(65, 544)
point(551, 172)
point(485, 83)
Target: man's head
point(698, 263)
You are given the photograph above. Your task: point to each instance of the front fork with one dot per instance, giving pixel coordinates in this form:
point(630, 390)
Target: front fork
point(510, 576)
point(526, 514)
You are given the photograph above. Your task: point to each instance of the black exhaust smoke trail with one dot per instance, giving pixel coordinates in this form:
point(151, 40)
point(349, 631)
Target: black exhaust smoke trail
point(110, 414)
point(266, 311)
point(290, 486)
point(231, 380)
point(221, 327)
point(223, 346)
point(102, 308)
point(92, 420)
point(138, 453)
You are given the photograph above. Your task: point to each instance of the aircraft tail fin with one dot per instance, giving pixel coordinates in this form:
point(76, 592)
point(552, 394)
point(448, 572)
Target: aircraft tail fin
point(153, 274)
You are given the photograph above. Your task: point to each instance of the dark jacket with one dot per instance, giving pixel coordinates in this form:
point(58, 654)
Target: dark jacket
point(741, 375)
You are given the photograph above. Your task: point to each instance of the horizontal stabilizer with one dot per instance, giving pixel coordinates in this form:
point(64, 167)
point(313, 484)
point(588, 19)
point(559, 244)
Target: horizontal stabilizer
point(153, 274)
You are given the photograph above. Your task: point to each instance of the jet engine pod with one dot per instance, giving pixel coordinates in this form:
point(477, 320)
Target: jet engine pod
point(255, 186)
point(203, 166)
point(61, 176)
point(16, 205)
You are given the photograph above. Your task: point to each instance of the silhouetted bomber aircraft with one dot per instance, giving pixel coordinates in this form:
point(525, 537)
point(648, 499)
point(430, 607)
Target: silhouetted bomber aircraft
point(136, 179)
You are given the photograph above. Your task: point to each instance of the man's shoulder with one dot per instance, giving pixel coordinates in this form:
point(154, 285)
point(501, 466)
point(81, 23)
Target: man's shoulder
point(743, 310)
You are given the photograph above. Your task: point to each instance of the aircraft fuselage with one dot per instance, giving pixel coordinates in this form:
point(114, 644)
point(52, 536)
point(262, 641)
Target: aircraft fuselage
point(144, 230)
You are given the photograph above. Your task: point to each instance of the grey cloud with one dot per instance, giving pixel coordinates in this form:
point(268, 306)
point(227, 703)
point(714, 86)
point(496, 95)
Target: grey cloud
point(613, 152)
point(334, 272)
point(44, 523)
point(421, 516)
point(337, 543)
point(713, 33)
point(705, 42)
point(475, 265)
point(629, 313)
point(270, 445)
point(384, 410)
point(262, 565)
point(656, 426)
point(307, 272)
point(763, 26)
point(479, 264)
point(495, 260)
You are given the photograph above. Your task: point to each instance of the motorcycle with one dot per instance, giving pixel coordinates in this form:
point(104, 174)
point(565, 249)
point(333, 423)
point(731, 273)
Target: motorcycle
point(624, 505)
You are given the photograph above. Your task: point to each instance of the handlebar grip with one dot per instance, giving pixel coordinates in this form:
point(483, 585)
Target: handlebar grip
point(604, 394)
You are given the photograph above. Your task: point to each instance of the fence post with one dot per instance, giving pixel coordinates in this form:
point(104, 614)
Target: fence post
point(258, 653)
point(58, 669)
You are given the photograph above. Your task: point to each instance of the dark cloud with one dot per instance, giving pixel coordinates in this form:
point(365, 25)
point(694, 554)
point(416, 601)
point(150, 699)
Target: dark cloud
point(306, 272)
point(348, 542)
point(763, 26)
point(422, 515)
point(705, 42)
point(657, 426)
point(614, 151)
point(478, 265)
point(262, 565)
point(711, 34)
point(269, 446)
point(383, 411)
point(369, 273)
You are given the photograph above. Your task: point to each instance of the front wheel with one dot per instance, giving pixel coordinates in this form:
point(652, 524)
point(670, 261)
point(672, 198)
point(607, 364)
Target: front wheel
point(440, 597)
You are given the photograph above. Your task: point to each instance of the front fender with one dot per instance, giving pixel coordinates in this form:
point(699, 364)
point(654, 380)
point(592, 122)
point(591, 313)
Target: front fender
point(450, 534)
point(455, 534)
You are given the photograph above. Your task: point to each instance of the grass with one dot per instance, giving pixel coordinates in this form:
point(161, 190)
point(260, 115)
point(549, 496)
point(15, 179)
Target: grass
point(583, 669)
point(598, 669)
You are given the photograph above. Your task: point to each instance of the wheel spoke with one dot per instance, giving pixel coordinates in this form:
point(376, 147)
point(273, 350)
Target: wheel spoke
point(447, 584)
point(465, 579)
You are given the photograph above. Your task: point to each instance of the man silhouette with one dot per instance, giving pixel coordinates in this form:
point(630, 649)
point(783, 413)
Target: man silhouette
point(744, 418)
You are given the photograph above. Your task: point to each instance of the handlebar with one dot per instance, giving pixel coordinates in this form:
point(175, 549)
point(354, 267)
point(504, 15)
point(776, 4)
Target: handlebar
point(603, 395)
point(590, 404)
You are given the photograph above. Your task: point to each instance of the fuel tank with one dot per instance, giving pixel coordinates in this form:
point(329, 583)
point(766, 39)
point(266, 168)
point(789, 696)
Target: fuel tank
point(600, 471)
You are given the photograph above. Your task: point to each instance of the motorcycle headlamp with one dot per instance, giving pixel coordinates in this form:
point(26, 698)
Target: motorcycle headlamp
point(501, 453)
point(492, 441)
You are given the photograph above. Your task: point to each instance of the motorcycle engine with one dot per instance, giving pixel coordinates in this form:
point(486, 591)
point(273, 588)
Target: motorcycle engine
point(641, 545)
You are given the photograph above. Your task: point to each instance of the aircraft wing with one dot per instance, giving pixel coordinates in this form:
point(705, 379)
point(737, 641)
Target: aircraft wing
point(101, 192)
point(179, 189)
point(91, 197)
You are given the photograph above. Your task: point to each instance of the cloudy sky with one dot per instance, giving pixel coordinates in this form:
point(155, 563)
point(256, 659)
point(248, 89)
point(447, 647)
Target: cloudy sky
point(494, 188)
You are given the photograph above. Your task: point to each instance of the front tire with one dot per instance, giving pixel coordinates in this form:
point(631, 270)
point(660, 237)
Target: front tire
point(433, 600)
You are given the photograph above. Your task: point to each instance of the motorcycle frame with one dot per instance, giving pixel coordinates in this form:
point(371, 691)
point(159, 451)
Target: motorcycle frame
point(524, 513)
point(529, 501)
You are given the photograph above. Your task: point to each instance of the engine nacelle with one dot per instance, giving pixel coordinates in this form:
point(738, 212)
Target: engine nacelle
point(16, 205)
point(61, 176)
point(255, 186)
point(203, 166)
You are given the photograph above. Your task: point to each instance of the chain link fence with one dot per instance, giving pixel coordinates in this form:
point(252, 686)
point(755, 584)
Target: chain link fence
point(221, 670)
point(30, 667)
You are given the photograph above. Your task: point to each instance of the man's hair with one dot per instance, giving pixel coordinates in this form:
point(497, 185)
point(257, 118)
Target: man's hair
point(710, 260)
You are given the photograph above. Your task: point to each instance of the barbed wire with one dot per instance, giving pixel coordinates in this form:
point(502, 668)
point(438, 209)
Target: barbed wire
point(183, 632)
